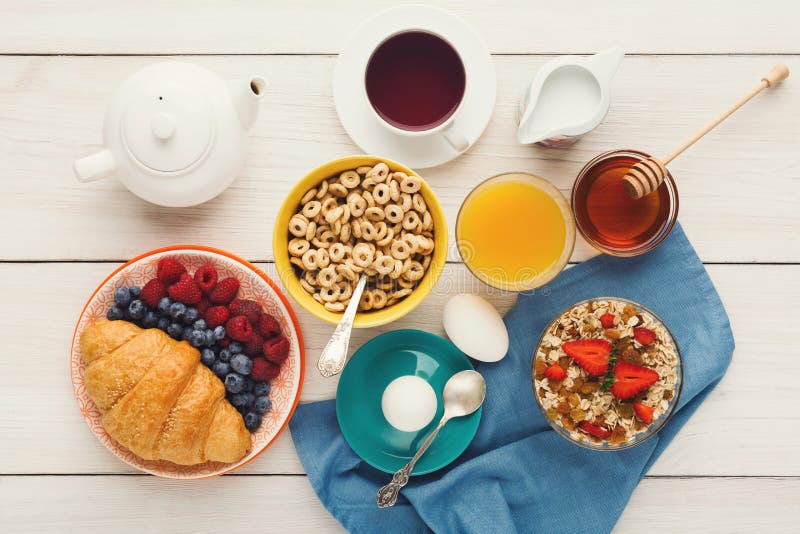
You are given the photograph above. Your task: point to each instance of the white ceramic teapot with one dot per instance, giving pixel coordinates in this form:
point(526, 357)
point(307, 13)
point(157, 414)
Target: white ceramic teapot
point(175, 133)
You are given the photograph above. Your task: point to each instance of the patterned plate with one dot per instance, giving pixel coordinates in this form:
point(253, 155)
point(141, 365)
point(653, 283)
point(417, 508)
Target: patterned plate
point(285, 388)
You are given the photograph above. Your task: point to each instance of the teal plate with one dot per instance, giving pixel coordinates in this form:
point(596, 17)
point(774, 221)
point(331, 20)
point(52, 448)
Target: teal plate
point(358, 400)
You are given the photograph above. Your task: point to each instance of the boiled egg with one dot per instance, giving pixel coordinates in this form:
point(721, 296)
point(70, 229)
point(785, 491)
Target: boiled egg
point(409, 403)
point(475, 327)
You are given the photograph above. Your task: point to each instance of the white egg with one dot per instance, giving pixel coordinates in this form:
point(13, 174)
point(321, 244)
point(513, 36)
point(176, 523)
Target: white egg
point(475, 327)
point(409, 403)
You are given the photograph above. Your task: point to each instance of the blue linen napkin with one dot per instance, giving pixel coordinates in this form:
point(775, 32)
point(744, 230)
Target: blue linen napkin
point(518, 475)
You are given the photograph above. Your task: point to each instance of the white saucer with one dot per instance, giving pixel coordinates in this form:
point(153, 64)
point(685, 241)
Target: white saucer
point(355, 111)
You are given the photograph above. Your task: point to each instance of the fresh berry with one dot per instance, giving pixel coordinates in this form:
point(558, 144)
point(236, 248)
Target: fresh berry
point(645, 336)
point(187, 333)
point(153, 291)
point(210, 339)
point(239, 328)
point(221, 369)
point(607, 320)
point(170, 270)
point(136, 309)
point(254, 346)
point(164, 304)
point(208, 357)
point(225, 355)
point(224, 342)
point(135, 291)
point(554, 372)
point(643, 412)
point(191, 315)
point(267, 326)
point(216, 316)
point(238, 400)
point(206, 278)
point(115, 313)
point(175, 330)
point(163, 324)
point(276, 349)
point(219, 333)
point(252, 421)
point(242, 364)
point(260, 389)
point(249, 308)
point(177, 310)
point(251, 385)
point(262, 404)
point(185, 290)
point(150, 320)
point(630, 379)
point(591, 354)
point(197, 338)
point(594, 430)
point(235, 347)
point(264, 370)
point(250, 397)
point(234, 382)
point(225, 291)
point(200, 324)
point(203, 305)
point(122, 296)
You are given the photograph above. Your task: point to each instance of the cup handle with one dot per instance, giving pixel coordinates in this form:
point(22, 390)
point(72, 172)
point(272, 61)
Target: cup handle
point(456, 139)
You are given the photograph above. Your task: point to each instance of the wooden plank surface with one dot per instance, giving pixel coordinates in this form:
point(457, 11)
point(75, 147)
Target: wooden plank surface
point(510, 26)
point(51, 111)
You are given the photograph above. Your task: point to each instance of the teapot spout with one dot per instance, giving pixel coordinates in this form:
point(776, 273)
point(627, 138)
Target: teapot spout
point(245, 95)
point(95, 167)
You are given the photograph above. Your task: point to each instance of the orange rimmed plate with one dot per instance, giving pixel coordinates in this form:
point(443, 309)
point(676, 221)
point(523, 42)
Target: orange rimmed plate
point(284, 389)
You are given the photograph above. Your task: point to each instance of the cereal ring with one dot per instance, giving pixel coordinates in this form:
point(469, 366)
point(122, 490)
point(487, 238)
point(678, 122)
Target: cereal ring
point(385, 283)
point(327, 276)
point(298, 225)
point(323, 258)
point(298, 246)
point(381, 194)
point(334, 214)
point(386, 240)
point(336, 252)
point(375, 213)
point(380, 231)
point(355, 227)
point(394, 213)
point(419, 203)
point(411, 221)
point(296, 261)
point(369, 198)
point(415, 271)
point(425, 245)
point(345, 214)
point(394, 190)
point(309, 196)
point(379, 172)
point(410, 184)
point(384, 265)
point(406, 202)
point(427, 221)
point(344, 233)
point(327, 237)
point(368, 184)
point(336, 227)
point(317, 298)
point(311, 231)
point(406, 284)
point(308, 287)
point(397, 271)
point(357, 204)
point(363, 169)
point(312, 209)
point(350, 179)
point(338, 190)
point(310, 277)
point(366, 301)
point(400, 249)
point(345, 290)
point(329, 294)
point(334, 307)
point(362, 255)
point(329, 204)
point(368, 230)
point(426, 261)
point(379, 299)
point(401, 293)
point(323, 189)
point(344, 270)
point(310, 260)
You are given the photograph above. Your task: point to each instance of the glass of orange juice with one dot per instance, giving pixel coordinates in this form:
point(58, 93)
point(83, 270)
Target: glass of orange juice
point(515, 231)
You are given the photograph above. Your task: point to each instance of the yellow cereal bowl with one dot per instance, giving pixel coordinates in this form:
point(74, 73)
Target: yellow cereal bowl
point(280, 244)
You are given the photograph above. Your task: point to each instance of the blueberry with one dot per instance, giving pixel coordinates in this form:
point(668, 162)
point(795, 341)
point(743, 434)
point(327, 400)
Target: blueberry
point(177, 310)
point(221, 369)
point(238, 400)
point(261, 388)
point(135, 292)
point(252, 421)
point(191, 315)
point(262, 404)
point(235, 347)
point(122, 296)
point(115, 313)
point(209, 337)
point(208, 357)
point(250, 399)
point(225, 355)
point(242, 364)
point(251, 384)
point(136, 309)
point(200, 324)
point(197, 338)
point(163, 324)
point(234, 382)
point(175, 330)
point(164, 304)
point(187, 333)
point(219, 332)
point(242, 410)
point(150, 319)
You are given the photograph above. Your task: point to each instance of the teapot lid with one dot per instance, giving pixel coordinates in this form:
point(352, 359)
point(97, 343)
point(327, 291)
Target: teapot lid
point(167, 127)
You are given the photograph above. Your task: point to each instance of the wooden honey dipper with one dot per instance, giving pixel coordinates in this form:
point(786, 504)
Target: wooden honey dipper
point(645, 177)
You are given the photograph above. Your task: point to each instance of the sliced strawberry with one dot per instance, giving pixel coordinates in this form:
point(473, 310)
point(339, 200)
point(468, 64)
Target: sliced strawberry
point(607, 320)
point(643, 412)
point(645, 336)
point(630, 379)
point(591, 354)
point(594, 430)
point(555, 372)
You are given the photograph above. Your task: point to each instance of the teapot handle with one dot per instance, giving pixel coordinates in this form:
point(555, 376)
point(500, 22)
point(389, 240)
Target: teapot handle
point(94, 167)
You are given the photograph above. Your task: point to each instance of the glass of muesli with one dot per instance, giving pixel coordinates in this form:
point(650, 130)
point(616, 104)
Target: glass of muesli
point(607, 373)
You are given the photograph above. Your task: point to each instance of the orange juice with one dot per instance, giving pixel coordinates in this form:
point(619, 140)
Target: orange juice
point(515, 231)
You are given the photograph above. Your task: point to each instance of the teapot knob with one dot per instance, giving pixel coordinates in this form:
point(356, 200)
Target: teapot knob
point(163, 125)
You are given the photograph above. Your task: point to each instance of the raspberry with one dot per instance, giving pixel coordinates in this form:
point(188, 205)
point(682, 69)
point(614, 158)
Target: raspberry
point(254, 345)
point(267, 326)
point(249, 308)
point(239, 328)
point(153, 291)
point(206, 278)
point(264, 370)
point(224, 343)
point(276, 349)
point(226, 291)
point(203, 306)
point(169, 270)
point(216, 315)
point(185, 290)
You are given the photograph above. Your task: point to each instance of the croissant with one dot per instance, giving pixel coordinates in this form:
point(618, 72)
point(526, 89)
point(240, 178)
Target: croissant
point(157, 399)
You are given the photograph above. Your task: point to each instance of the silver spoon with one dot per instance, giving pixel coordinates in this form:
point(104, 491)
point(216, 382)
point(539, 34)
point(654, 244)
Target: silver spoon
point(463, 394)
point(331, 361)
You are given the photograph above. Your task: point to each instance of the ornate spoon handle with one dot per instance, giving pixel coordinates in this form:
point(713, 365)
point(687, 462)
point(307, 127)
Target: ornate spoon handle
point(331, 361)
point(387, 495)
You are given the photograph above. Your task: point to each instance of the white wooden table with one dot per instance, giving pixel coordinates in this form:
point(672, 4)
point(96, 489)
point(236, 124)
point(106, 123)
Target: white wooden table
point(734, 467)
